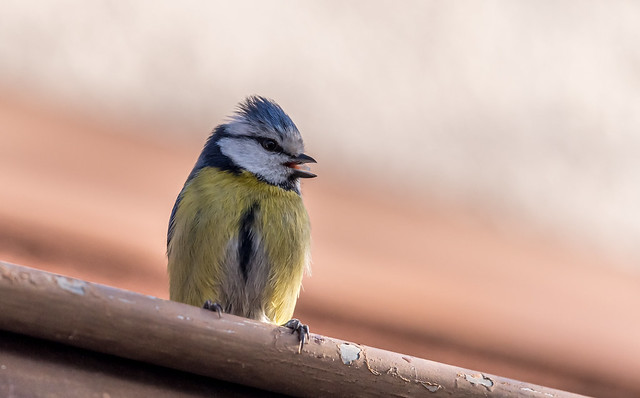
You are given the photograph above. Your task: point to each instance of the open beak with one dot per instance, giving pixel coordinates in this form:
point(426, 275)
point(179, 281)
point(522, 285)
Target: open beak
point(300, 169)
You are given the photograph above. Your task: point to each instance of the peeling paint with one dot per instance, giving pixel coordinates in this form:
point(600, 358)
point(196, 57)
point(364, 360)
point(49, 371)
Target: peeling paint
point(71, 285)
point(546, 394)
point(394, 372)
point(366, 361)
point(431, 387)
point(479, 379)
point(349, 353)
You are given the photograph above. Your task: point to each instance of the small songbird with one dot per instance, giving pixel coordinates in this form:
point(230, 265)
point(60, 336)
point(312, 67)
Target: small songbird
point(239, 235)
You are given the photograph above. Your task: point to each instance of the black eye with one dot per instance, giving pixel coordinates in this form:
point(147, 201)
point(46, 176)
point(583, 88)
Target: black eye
point(270, 145)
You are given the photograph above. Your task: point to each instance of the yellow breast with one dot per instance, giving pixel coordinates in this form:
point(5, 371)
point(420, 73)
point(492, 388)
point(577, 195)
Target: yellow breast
point(207, 221)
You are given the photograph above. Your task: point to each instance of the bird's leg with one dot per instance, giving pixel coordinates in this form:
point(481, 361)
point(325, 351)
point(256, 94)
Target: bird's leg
point(211, 306)
point(302, 329)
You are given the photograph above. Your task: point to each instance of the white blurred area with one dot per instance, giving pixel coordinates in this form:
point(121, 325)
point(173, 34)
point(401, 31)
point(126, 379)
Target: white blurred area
point(527, 109)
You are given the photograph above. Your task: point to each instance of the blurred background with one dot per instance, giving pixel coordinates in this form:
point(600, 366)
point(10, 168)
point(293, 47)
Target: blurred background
point(479, 179)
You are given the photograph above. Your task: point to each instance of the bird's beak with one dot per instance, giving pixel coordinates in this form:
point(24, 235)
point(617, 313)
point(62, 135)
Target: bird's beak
point(299, 168)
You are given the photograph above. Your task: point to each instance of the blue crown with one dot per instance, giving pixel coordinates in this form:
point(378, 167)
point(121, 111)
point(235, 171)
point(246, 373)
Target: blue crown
point(263, 112)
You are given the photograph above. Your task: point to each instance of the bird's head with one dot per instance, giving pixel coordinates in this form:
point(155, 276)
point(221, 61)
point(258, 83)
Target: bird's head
point(262, 139)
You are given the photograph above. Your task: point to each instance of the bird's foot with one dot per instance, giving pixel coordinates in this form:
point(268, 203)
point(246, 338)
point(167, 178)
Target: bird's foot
point(211, 306)
point(302, 329)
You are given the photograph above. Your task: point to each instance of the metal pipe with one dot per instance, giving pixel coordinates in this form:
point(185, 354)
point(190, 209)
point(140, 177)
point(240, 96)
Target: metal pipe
point(144, 328)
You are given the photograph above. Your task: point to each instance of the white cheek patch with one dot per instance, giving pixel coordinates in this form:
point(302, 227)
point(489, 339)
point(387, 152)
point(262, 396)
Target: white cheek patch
point(249, 155)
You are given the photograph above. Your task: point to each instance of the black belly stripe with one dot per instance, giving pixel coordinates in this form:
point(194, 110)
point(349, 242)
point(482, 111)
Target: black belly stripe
point(245, 241)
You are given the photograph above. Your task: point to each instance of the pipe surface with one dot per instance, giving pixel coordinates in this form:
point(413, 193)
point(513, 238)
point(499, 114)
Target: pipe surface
point(144, 328)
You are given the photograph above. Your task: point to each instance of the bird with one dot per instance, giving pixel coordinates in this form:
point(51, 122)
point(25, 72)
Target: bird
point(239, 234)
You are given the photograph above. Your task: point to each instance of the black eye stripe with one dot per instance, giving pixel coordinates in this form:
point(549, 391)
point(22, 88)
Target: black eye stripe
point(263, 140)
point(269, 144)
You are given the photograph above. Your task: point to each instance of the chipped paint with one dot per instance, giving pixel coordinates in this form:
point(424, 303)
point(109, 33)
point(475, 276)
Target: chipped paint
point(366, 361)
point(349, 353)
point(479, 379)
point(71, 285)
point(394, 372)
point(431, 387)
point(527, 389)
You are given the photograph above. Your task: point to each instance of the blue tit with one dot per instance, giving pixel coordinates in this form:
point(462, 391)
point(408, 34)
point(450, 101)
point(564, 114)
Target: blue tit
point(239, 233)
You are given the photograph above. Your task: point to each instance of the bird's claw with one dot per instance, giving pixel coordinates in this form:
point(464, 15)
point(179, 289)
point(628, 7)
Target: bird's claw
point(303, 331)
point(211, 306)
